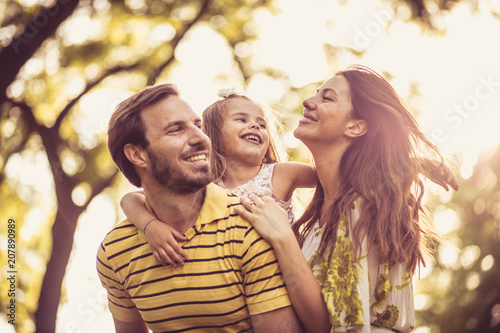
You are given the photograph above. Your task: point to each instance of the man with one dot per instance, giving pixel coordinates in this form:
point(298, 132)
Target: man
point(231, 281)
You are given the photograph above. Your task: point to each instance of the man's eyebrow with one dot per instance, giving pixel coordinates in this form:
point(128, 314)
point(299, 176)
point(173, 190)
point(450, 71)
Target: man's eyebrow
point(180, 123)
point(172, 124)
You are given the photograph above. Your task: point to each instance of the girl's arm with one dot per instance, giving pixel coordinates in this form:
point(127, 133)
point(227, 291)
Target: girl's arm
point(289, 176)
point(271, 222)
point(162, 239)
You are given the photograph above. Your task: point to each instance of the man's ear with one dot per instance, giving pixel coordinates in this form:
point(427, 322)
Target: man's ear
point(135, 154)
point(355, 128)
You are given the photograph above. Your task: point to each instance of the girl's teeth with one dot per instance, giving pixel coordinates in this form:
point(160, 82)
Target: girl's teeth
point(252, 137)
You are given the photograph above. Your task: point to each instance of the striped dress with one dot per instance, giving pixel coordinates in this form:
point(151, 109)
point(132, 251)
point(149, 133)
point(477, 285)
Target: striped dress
point(231, 274)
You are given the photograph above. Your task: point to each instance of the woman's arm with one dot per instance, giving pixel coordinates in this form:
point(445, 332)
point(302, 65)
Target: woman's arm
point(271, 222)
point(162, 239)
point(289, 176)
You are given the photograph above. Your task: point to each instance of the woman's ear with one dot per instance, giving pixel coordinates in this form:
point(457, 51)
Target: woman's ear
point(355, 128)
point(136, 155)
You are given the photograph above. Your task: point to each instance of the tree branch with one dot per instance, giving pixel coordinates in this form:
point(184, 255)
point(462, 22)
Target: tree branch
point(22, 48)
point(90, 86)
point(151, 78)
point(99, 187)
point(30, 126)
point(175, 41)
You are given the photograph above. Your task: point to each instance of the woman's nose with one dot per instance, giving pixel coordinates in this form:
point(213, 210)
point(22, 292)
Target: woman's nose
point(308, 103)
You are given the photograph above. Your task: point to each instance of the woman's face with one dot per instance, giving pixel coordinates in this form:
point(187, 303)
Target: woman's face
point(326, 114)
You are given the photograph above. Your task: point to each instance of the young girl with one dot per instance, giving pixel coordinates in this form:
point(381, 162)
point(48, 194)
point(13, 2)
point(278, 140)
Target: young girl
point(245, 160)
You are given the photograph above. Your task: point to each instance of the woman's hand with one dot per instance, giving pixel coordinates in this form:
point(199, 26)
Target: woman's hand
point(440, 174)
point(269, 219)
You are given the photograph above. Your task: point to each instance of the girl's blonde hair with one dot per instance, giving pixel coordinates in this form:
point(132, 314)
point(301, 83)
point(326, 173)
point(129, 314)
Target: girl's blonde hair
point(213, 119)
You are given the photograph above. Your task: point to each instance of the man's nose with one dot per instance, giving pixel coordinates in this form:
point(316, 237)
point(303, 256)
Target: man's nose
point(197, 137)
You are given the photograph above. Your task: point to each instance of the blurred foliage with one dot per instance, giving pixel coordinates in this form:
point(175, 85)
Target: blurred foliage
point(462, 292)
point(49, 66)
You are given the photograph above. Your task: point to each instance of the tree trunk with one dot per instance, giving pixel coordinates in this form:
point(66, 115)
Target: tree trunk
point(63, 232)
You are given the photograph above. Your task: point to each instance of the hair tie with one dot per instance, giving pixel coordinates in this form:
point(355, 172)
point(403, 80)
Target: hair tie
point(226, 92)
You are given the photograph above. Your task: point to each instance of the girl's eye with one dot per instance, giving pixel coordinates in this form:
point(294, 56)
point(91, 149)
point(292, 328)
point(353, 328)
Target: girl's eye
point(240, 119)
point(262, 125)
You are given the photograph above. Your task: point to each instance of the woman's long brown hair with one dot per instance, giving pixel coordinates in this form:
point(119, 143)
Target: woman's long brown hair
point(379, 171)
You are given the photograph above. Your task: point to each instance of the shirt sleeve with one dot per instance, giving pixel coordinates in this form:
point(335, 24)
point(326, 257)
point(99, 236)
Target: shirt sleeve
point(264, 286)
point(119, 301)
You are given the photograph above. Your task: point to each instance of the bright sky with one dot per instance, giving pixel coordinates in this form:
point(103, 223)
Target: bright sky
point(458, 77)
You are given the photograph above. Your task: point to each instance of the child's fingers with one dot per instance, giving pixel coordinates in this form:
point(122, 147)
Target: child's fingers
point(158, 257)
point(178, 235)
point(175, 245)
point(170, 257)
point(178, 250)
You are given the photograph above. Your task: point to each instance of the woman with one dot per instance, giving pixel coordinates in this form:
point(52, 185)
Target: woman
point(365, 231)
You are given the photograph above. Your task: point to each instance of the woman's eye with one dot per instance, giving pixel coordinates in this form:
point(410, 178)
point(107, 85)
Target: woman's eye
point(327, 99)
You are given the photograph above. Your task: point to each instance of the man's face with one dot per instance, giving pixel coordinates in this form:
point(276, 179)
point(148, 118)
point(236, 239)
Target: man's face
point(178, 151)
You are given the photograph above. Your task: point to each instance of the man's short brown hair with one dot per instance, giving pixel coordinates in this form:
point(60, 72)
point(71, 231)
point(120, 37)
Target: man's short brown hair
point(126, 126)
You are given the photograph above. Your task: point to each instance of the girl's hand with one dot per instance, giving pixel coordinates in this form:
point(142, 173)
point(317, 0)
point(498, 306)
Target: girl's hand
point(163, 241)
point(269, 219)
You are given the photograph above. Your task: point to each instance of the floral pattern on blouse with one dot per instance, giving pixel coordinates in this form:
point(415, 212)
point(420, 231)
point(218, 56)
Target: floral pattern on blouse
point(261, 185)
point(360, 294)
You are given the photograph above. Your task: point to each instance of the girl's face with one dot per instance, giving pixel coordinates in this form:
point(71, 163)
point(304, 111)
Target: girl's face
point(244, 132)
point(326, 114)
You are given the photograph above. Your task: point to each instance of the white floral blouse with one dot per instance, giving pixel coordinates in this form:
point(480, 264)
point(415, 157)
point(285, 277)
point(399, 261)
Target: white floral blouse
point(360, 294)
point(261, 185)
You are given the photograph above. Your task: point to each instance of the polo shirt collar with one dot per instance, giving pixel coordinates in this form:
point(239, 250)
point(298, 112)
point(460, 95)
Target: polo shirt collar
point(214, 208)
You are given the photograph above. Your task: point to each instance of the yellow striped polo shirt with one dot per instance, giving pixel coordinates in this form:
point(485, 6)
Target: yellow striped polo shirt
point(231, 273)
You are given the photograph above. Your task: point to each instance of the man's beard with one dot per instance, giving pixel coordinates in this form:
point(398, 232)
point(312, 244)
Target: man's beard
point(174, 178)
